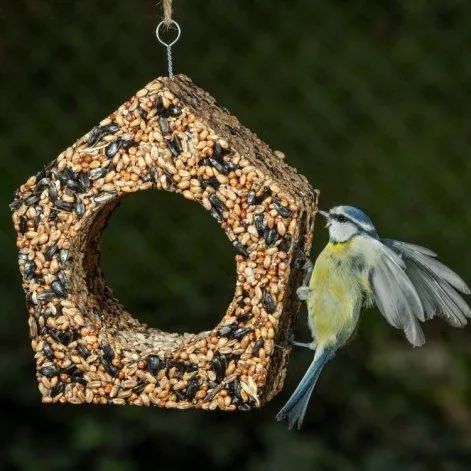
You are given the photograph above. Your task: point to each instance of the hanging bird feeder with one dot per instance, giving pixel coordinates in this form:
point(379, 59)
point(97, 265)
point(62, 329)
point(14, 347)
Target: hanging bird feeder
point(171, 136)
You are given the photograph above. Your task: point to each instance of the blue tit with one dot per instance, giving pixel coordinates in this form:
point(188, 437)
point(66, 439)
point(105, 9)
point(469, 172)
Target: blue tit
point(357, 269)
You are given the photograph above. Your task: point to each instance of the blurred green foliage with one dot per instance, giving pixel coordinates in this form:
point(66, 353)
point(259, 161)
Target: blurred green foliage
point(369, 100)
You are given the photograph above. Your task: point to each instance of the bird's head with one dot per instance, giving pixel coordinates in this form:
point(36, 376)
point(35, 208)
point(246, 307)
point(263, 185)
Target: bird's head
point(345, 222)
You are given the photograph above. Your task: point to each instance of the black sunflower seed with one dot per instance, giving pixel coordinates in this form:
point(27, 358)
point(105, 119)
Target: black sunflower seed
point(159, 106)
point(257, 346)
point(109, 368)
point(192, 388)
point(80, 209)
point(59, 288)
point(235, 390)
point(49, 371)
point(95, 136)
point(181, 365)
point(51, 251)
point(45, 296)
point(41, 174)
point(74, 185)
point(240, 249)
point(281, 210)
point(58, 388)
point(64, 205)
point(126, 143)
point(42, 185)
point(142, 112)
point(70, 370)
point(285, 243)
point(112, 148)
point(217, 151)
point(245, 316)
point(219, 166)
point(227, 330)
point(29, 269)
point(180, 394)
point(23, 223)
point(154, 364)
point(259, 221)
point(173, 110)
point(96, 173)
point(164, 127)
point(190, 367)
point(178, 144)
point(172, 146)
point(62, 277)
point(31, 200)
point(139, 387)
point(84, 182)
point(231, 166)
point(64, 255)
point(270, 237)
point(268, 302)
point(103, 198)
point(82, 350)
point(53, 214)
point(63, 337)
point(217, 203)
point(48, 312)
point(110, 128)
point(265, 194)
point(219, 365)
point(239, 334)
point(154, 173)
point(251, 198)
point(216, 215)
point(47, 350)
point(78, 378)
point(108, 352)
point(212, 182)
point(16, 204)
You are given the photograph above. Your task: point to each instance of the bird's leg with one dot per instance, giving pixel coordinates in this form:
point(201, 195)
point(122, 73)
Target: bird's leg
point(310, 345)
point(304, 290)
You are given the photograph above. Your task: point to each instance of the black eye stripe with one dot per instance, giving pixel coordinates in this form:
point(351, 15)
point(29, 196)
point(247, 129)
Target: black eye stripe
point(340, 218)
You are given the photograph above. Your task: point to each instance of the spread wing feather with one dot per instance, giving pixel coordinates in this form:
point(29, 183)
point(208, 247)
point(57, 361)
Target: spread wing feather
point(435, 283)
point(395, 295)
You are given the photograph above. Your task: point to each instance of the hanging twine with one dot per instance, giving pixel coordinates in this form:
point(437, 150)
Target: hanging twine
point(167, 7)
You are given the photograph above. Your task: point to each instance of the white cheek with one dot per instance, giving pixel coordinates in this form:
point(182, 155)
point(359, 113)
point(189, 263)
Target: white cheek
point(340, 232)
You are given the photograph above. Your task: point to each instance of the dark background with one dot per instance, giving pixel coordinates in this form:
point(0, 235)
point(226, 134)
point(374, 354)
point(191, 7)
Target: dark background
point(370, 100)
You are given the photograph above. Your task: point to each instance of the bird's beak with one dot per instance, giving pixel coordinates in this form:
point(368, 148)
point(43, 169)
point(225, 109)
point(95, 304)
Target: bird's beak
point(325, 214)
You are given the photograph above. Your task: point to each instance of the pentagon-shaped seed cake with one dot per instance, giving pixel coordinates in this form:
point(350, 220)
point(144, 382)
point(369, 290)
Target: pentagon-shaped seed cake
point(170, 136)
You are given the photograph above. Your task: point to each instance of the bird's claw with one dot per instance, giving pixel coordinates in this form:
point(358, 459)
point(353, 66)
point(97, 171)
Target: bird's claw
point(303, 292)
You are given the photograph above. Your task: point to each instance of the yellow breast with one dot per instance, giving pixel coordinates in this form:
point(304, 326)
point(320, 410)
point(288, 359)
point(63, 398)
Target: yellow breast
point(336, 293)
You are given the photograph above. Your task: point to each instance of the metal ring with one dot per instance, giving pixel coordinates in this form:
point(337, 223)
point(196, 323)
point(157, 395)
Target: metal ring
point(158, 31)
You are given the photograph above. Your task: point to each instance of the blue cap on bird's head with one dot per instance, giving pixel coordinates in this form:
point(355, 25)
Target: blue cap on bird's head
point(344, 222)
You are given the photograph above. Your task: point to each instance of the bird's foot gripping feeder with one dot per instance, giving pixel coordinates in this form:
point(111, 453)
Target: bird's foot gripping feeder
point(88, 349)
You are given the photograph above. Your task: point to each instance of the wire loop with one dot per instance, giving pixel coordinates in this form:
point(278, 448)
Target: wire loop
point(173, 25)
point(168, 44)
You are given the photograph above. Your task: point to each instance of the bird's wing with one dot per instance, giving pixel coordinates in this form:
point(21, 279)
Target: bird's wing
point(435, 283)
point(394, 293)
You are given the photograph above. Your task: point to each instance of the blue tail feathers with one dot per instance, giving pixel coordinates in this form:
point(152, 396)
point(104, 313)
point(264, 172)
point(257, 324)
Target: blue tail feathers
point(296, 407)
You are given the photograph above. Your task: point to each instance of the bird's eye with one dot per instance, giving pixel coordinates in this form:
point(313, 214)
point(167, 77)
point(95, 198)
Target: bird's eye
point(341, 218)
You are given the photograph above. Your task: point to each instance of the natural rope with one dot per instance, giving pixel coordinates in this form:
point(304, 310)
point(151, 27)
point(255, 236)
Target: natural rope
point(167, 6)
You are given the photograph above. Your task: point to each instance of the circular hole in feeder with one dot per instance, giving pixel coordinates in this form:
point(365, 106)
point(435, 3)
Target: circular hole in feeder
point(168, 262)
